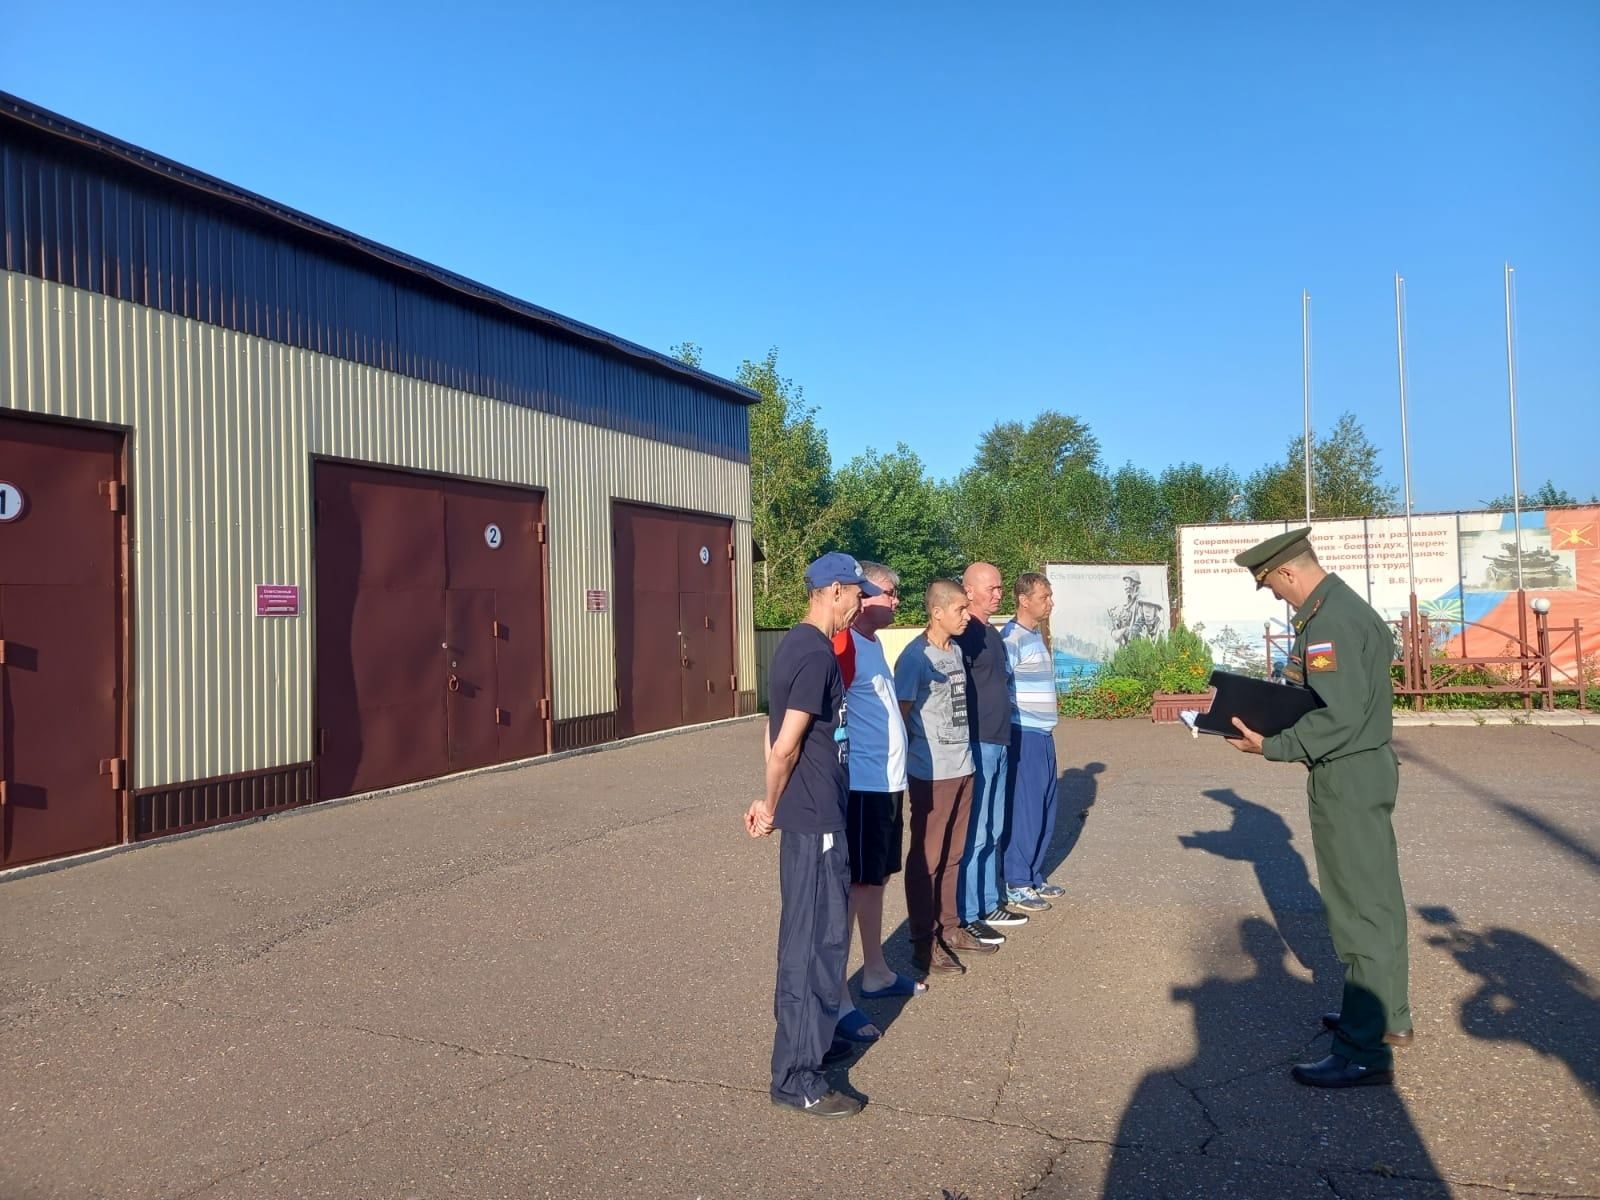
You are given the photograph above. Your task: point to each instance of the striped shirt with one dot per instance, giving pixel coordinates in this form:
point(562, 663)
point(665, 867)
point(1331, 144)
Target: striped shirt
point(1033, 678)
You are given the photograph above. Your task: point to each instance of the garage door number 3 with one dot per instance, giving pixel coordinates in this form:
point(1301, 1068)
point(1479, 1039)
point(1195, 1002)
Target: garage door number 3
point(491, 536)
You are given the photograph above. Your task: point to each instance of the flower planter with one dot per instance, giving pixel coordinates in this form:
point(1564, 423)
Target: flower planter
point(1165, 706)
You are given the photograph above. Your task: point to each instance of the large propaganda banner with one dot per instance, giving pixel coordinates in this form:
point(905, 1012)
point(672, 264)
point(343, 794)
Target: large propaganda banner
point(1101, 607)
point(1466, 577)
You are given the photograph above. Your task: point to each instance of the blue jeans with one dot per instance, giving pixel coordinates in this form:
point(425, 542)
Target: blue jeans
point(1033, 806)
point(980, 865)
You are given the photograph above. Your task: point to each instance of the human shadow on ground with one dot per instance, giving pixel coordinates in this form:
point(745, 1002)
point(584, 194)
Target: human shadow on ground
point(1077, 789)
point(1230, 1121)
point(1261, 837)
point(1529, 993)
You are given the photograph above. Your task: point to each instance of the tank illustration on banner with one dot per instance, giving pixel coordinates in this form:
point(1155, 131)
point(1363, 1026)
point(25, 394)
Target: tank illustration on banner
point(1540, 569)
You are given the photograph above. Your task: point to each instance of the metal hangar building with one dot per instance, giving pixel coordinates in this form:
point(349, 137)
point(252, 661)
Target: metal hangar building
point(286, 515)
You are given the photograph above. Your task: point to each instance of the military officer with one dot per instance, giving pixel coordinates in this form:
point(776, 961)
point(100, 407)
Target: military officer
point(1134, 618)
point(1342, 651)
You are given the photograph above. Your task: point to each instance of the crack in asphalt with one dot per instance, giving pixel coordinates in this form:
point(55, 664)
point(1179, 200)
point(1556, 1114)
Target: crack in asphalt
point(1567, 737)
point(1058, 1142)
point(1018, 1025)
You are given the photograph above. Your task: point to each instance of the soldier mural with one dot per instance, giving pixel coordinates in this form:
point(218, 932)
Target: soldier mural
point(1135, 617)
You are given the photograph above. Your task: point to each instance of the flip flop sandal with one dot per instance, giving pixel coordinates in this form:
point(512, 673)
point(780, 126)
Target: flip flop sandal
point(852, 1023)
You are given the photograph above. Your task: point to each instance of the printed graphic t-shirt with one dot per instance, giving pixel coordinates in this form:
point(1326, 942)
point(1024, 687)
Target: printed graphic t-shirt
point(990, 701)
point(805, 676)
point(940, 737)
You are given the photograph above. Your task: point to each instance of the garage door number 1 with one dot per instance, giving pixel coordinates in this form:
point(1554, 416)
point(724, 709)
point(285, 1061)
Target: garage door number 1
point(491, 536)
point(10, 501)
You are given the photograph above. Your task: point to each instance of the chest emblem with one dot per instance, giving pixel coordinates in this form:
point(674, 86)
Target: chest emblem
point(1321, 656)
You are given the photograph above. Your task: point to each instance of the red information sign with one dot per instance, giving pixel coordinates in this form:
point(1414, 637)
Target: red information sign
point(277, 600)
point(596, 600)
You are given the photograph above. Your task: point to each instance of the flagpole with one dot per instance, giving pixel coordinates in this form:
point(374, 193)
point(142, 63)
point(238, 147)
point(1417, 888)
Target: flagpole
point(1305, 385)
point(1516, 481)
point(1416, 651)
point(1511, 387)
point(1405, 432)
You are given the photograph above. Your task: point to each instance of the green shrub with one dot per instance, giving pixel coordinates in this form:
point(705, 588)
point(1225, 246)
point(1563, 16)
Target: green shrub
point(1179, 662)
point(1108, 696)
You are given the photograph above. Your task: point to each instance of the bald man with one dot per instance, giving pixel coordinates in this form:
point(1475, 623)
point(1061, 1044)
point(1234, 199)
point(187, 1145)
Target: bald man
point(982, 903)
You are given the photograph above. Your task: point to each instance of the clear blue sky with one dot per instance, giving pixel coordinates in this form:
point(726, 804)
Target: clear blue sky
point(947, 214)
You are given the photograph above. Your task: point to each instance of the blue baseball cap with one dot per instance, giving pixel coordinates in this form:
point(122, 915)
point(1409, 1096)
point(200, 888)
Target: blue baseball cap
point(838, 567)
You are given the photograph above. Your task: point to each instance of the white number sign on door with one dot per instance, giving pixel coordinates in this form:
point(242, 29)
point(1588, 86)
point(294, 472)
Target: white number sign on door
point(491, 536)
point(10, 501)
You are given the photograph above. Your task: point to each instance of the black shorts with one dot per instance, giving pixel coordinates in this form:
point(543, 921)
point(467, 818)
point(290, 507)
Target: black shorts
point(874, 828)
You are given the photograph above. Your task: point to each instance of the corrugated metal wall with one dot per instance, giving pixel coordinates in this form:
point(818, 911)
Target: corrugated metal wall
point(90, 220)
point(225, 426)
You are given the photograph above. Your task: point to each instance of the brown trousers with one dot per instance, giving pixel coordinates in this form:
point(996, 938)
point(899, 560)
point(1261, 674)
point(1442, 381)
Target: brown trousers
point(940, 809)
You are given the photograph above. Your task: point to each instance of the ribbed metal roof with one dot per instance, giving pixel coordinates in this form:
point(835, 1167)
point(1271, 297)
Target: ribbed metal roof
point(321, 233)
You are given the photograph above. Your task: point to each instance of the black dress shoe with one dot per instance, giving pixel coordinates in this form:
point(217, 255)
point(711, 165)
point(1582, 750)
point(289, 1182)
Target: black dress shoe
point(1336, 1071)
point(1330, 1021)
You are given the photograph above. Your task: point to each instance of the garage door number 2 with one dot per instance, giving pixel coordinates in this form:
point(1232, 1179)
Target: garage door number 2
point(491, 536)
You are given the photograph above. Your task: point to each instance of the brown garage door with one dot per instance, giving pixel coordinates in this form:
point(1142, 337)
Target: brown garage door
point(674, 617)
point(60, 640)
point(430, 627)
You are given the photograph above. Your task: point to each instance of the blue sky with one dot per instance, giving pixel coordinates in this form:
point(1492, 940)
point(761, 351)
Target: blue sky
point(948, 214)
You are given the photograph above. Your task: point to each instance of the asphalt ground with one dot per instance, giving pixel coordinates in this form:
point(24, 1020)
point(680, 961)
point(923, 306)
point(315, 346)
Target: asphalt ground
point(557, 982)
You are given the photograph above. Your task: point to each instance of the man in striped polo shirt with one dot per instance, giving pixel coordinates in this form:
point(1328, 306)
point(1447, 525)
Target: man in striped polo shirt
point(1032, 790)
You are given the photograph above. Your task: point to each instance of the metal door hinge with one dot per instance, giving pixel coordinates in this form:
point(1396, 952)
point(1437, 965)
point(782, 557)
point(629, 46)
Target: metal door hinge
point(540, 530)
point(498, 631)
point(322, 741)
point(733, 683)
point(111, 489)
point(3, 786)
point(710, 687)
point(117, 768)
point(708, 622)
point(499, 716)
point(544, 709)
point(2, 652)
point(730, 551)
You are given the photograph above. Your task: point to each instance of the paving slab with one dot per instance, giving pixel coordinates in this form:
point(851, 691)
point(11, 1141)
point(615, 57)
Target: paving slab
point(557, 981)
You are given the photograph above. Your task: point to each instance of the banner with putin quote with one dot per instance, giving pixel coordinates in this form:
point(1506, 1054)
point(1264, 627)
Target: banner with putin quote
point(1466, 566)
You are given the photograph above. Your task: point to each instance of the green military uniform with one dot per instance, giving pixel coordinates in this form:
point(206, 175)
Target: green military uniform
point(1342, 651)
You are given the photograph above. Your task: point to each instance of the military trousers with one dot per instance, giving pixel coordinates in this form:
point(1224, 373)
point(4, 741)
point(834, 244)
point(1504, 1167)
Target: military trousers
point(1358, 868)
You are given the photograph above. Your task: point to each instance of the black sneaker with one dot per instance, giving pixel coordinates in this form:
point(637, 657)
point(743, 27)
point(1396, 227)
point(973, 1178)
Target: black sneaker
point(834, 1104)
point(1004, 916)
point(982, 933)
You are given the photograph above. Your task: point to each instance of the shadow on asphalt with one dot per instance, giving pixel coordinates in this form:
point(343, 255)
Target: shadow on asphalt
point(1261, 837)
point(1246, 1033)
point(1529, 993)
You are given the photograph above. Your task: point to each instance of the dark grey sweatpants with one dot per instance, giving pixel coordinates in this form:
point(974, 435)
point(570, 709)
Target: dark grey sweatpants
point(813, 939)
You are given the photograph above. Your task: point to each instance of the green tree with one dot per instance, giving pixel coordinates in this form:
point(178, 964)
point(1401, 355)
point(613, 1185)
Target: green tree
point(1035, 493)
point(1345, 479)
point(795, 514)
point(896, 517)
point(1546, 495)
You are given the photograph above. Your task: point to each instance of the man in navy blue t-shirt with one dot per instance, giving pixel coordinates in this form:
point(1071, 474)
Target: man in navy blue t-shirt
point(808, 785)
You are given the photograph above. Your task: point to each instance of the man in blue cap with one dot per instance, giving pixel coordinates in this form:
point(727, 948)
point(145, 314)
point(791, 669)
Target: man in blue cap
point(1342, 651)
point(808, 784)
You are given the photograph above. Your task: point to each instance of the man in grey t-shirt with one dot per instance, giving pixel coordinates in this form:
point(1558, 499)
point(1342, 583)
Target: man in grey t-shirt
point(930, 681)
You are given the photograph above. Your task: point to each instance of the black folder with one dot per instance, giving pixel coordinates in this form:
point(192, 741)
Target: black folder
point(1267, 708)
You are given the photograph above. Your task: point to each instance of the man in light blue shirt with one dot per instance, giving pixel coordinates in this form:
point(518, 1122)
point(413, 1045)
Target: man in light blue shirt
point(1032, 791)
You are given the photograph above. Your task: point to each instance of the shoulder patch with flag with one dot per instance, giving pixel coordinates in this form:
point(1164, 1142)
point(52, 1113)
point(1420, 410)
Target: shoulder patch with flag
point(1321, 656)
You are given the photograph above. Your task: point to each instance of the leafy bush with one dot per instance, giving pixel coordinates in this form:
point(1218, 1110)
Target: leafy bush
point(1179, 662)
point(1109, 696)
